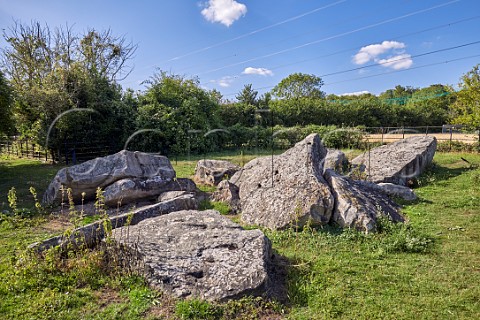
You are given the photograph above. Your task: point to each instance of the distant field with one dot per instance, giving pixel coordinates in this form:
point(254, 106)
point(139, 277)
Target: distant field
point(462, 137)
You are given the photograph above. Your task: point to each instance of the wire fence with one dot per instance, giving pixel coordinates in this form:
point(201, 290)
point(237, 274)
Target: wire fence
point(68, 153)
point(445, 133)
point(73, 152)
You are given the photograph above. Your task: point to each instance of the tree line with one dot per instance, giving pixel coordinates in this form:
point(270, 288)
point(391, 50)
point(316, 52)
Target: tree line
point(57, 85)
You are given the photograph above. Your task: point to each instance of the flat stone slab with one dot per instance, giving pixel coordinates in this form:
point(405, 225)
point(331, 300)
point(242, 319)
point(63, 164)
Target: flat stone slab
point(91, 234)
point(199, 254)
point(399, 161)
point(101, 172)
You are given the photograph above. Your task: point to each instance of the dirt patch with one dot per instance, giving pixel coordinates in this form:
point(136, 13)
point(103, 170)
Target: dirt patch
point(57, 223)
point(107, 296)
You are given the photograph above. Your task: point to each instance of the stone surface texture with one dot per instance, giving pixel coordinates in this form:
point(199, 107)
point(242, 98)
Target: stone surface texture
point(101, 172)
point(336, 160)
point(91, 234)
point(288, 189)
point(127, 191)
point(229, 193)
point(359, 205)
point(200, 254)
point(211, 172)
point(398, 162)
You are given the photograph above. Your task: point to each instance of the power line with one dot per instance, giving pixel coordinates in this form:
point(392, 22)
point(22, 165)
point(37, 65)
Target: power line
point(395, 71)
point(378, 74)
point(257, 31)
point(330, 38)
point(401, 59)
point(370, 12)
point(393, 38)
point(356, 48)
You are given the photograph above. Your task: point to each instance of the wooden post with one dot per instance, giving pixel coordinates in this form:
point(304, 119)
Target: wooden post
point(451, 133)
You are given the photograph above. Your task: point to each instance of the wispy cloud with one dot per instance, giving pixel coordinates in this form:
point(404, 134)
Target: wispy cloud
point(224, 11)
point(356, 93)
point(259, 71)
point(399, 60)
point(224, 82)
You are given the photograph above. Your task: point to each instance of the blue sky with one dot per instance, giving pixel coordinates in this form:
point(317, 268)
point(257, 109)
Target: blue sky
point(228, 44)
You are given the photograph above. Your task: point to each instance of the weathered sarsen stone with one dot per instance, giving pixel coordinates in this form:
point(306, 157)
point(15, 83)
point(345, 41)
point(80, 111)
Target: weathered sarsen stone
point(199, 254)
point(229, 193)
point(399, 161)
point(336, 160)
point(91, 234)
point(132, 190)
point(211, 172)
point(358, 205)
point(288, 189)
point(101, 172)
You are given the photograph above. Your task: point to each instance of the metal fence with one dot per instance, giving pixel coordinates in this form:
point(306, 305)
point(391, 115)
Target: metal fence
point(68, 153)
point(446, 133)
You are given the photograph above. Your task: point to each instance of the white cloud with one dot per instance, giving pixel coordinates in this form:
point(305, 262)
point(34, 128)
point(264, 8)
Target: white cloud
point(401, 61)
point(259, 71)
point(224, 82)
point(356, 93)
point(374, 51)
point(224, 11)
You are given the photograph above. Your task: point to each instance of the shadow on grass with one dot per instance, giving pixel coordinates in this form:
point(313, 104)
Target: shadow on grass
point(436, 173)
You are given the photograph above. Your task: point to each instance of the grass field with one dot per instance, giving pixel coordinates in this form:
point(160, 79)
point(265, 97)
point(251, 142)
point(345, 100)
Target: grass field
point(429, 269)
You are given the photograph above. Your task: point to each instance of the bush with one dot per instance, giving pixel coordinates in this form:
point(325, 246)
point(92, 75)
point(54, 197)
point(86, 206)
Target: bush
point(458, 146)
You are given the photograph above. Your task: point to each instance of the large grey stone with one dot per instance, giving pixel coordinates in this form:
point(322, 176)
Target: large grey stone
point(395, 190)
point(288, 189)
point(199, 254)
point(101, 172)
point(399, 161)
point(358, 205)
point(336, 160)
point(126, 191)
point(229, 193)
point(211, 172)
point(90, 235)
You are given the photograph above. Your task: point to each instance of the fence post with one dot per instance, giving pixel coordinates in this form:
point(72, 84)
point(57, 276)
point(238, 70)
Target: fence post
point(426, 132)
point(382, 135)
point(478, 139)
point(451, 133)
point(403, 132)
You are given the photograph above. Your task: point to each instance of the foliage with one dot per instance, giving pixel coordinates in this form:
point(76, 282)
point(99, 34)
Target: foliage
point(467, 105)
point(6, 121)
point(247, 96)
point(176, 114)
point(196, 309)
point(299, 85)
point(221, 207)
point(331, 273)
point(52, 72)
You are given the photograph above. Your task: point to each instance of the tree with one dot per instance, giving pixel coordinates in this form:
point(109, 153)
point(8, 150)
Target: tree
point(5, 106)
point(55, 71)
point(467, 105)
point(177, 112)
point(398, 96)
point(299, 85)
point(431, 105)
point(247, 96)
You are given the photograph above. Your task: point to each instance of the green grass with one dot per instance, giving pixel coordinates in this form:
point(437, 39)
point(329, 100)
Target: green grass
point(428, 269)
